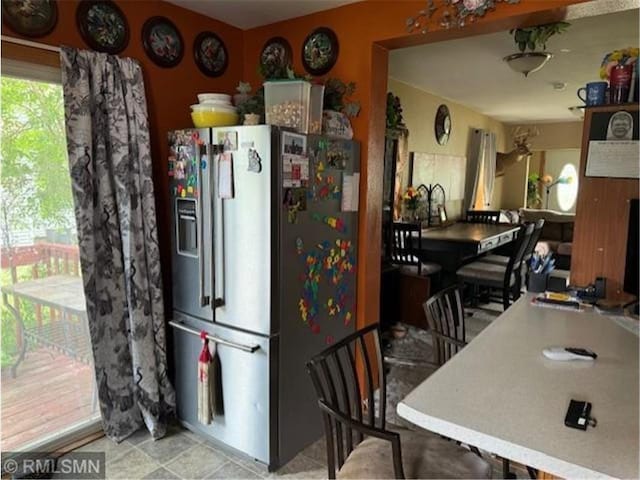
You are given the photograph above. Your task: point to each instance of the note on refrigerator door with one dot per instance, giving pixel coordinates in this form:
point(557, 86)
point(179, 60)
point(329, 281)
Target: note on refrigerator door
point(350, 192)
point(295, 171)
point(225, 175)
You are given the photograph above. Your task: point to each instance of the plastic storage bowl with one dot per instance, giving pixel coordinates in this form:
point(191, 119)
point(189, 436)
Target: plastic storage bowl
point(288, 103)
point(214, 98)
point(208, 116)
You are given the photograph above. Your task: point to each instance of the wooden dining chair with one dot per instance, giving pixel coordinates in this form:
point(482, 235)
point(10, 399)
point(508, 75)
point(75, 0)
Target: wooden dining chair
point(483, 216)
point(406, 239)
point(533, 241)
point(507, 279)
point(359, 443)
point(417, 279)
point(445, 316)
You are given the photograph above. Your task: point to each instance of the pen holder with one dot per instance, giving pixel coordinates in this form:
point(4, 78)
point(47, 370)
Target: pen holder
point(537, 282)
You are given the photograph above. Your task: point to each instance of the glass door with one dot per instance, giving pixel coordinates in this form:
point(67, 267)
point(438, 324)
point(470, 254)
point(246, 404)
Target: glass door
point(49, 395)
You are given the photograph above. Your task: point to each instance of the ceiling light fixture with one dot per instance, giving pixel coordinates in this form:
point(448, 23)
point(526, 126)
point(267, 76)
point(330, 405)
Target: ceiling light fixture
point(455, 13)
point(527, 62)
point(533, 38)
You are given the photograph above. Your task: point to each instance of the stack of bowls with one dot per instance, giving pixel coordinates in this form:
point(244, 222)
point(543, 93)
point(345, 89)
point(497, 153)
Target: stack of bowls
point(214, 110)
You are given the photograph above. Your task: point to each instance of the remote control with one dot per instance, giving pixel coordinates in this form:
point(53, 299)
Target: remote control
point(564, 354)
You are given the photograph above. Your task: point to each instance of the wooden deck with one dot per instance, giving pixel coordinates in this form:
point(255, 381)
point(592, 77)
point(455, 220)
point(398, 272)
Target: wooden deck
point(51, 392)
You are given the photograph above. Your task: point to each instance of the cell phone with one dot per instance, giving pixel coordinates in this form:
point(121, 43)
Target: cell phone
point(578, 415)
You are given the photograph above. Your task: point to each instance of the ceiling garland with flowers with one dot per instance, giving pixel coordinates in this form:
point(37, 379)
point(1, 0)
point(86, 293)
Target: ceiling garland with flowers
point(452, 13)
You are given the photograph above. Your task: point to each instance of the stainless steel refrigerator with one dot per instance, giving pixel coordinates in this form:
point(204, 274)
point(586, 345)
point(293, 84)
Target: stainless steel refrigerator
point(264, 236)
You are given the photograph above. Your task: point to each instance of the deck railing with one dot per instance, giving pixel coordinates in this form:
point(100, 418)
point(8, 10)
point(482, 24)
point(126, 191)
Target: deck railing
point(50, 258)
point(56, 258)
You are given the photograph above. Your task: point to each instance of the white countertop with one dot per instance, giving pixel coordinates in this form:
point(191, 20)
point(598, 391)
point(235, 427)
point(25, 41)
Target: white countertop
point(500, 394)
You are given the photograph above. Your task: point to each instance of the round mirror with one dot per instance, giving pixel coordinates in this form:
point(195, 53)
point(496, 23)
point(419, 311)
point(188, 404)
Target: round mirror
point(443, 125)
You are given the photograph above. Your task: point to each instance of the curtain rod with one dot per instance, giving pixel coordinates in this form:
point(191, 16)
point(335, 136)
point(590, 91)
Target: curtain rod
point(29, 43)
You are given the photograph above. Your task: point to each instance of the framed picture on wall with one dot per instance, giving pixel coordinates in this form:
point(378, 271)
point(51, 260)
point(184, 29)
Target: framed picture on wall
point(162, 41)
point(102, 25)
point(210, 54)
point(613, 144)
point(35, 18)
point(320, 51)
point(275, 58)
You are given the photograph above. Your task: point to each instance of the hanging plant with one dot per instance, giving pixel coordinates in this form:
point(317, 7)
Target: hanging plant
point(536, 37)
point(394, 112)
point(336, 97)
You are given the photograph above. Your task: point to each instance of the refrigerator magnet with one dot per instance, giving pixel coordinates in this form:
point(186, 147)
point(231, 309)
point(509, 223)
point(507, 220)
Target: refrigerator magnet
point(225, 175)
point(228, 140)
point(255, 162)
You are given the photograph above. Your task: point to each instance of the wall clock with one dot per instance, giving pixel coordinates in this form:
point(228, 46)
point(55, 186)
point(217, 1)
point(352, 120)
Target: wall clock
point(31, 19)
point(320, 51)
point(443, 125)
point(102, 25)
point(162, 41)
point(210, 54)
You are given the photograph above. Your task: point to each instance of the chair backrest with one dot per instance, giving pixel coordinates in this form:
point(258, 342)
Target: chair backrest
point(405, 236)
point(335, 379)
point(519, 250)
point(535, 237)
point(445, 316)
point(483, 216)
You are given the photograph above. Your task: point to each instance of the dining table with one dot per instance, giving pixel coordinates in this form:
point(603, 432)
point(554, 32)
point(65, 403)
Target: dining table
point(69, 333)
point(502, 395)
point(466, 238)
point(455, 244)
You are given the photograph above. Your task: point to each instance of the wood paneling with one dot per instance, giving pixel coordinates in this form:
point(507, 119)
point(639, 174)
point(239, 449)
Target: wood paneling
point(602, 216)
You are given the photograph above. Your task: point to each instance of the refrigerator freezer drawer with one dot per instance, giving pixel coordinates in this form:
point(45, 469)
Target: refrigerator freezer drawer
point(245, 422)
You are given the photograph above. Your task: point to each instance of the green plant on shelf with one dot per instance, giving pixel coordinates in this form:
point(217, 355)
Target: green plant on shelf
point(337, 97)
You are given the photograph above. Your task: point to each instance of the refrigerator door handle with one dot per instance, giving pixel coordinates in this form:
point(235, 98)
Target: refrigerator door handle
point(217, 230)
point(204, 299)
point(219, 265)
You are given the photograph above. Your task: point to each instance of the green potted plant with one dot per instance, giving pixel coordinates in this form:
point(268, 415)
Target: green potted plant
point(394, 113)
point(534, 200)
point(251, 111)
point(535, 40)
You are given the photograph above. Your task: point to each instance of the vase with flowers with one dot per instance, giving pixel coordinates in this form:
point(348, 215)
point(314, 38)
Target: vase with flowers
point(618, 68)
point(411, 200)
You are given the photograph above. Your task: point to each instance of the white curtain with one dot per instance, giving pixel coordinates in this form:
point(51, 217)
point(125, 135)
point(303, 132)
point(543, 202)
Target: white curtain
point(481, 169)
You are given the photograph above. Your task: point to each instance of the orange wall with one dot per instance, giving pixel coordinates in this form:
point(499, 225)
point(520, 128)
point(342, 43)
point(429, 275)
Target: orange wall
point(360, 27)
point(170, 91)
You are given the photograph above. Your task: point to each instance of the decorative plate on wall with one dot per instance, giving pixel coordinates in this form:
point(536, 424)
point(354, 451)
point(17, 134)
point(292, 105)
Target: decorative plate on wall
point(210, 54)
point(320, 51)
point(102, 25)
point(33, 18)
point(443, 125)
point(162, 41)
point(275, 58)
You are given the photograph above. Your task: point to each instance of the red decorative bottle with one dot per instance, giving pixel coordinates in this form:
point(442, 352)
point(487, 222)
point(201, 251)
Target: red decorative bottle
point(620, 82)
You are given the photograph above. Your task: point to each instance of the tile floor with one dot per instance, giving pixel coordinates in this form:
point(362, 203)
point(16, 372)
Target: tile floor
point(184, 455)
